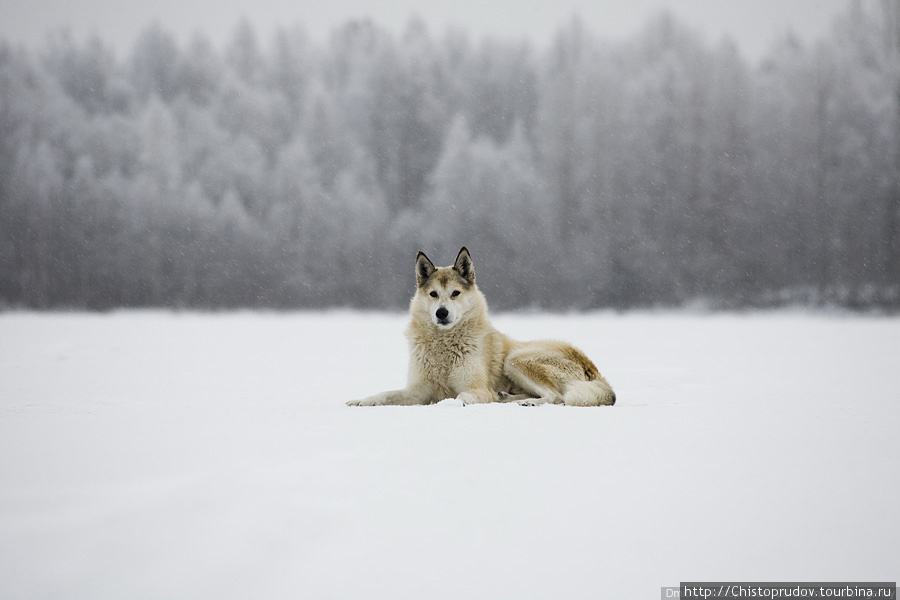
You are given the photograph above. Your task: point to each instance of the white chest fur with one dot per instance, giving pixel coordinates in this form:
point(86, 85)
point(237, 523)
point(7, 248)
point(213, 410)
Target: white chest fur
point(451, 361)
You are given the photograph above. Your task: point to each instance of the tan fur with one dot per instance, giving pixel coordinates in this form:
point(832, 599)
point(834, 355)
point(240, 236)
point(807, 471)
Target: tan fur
point(468, 359)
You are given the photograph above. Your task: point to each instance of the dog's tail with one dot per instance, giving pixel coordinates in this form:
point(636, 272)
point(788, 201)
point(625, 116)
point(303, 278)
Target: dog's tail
point(596, 392)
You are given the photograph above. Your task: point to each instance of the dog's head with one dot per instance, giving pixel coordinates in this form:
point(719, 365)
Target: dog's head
point(445, 294)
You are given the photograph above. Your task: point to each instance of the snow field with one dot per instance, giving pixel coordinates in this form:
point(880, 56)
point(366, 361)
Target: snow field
point(168, 455)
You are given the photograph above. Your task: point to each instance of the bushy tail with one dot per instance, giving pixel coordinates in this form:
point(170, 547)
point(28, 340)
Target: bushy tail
point(589, 393)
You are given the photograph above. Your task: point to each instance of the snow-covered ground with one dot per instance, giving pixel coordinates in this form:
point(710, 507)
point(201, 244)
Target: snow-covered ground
point(159, 455)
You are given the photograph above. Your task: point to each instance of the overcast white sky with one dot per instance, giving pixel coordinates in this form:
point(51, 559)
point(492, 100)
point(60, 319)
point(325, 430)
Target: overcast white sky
point(753, 24)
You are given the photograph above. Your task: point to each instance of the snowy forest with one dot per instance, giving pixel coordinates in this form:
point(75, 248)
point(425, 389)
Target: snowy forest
point(662, 170)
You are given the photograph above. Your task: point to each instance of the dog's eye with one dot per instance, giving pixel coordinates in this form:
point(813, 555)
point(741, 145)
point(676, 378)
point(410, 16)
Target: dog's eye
point(454, 294)
point(433, 294)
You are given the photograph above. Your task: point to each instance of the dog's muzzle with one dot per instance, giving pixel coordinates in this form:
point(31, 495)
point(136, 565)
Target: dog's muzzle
point(441, 314)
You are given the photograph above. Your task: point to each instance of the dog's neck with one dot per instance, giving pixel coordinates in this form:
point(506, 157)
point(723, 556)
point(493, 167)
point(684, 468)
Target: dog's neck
point(422, 330)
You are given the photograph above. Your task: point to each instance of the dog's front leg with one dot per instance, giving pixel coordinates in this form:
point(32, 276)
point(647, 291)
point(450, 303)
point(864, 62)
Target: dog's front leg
point(477, 396)
point(382, 399)
point(417, 394)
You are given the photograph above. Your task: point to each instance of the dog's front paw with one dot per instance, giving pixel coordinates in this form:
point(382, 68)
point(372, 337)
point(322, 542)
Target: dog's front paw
point(363, 402)
point(467, 398)
point(476, 396)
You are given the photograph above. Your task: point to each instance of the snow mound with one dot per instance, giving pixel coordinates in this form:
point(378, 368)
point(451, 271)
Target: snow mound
point(449, 403)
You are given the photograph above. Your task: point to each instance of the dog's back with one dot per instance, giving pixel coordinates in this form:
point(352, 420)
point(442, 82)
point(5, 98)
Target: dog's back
point(555, 372)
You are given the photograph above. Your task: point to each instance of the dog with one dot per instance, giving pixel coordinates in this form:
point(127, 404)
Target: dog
point(455, 352)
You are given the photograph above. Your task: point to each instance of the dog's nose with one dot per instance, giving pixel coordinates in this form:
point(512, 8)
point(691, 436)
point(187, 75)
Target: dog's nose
point(441, 313)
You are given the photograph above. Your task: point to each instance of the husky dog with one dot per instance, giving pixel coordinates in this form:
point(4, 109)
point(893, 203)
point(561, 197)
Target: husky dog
point(455, 352)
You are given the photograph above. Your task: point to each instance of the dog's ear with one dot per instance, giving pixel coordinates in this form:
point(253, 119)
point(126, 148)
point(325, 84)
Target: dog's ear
point(464, 266)
point(424, 269)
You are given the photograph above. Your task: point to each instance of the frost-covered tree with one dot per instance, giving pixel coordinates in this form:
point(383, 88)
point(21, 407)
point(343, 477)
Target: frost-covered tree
point(155, 65)
point(494, 195)
point(657, 169)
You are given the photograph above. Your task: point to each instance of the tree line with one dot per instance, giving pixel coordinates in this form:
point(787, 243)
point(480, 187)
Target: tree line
point(660, 170)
